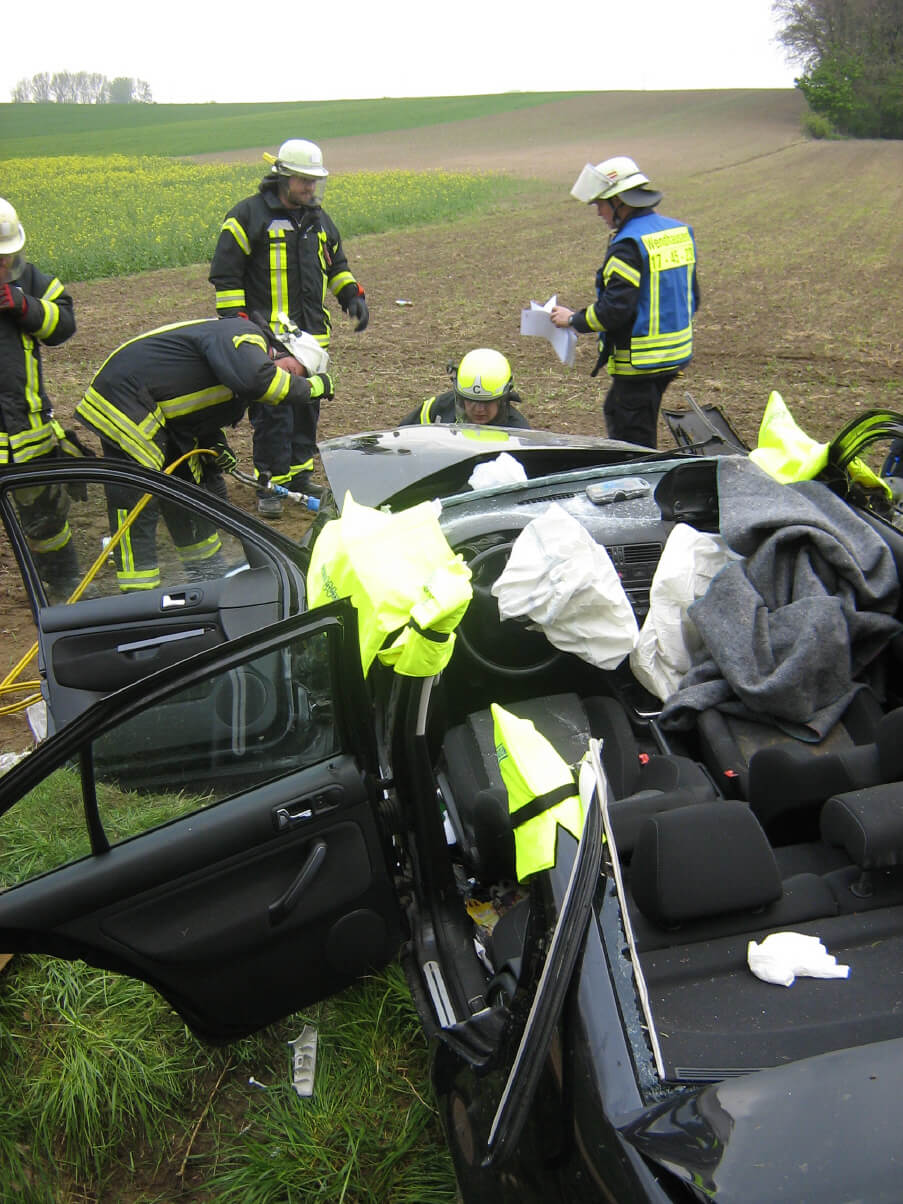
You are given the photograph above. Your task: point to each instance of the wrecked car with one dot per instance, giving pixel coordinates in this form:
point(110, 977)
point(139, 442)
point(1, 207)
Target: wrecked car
point(599, 1030)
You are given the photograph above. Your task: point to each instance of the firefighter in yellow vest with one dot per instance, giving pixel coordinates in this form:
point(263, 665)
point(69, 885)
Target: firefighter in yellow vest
point(646, 295)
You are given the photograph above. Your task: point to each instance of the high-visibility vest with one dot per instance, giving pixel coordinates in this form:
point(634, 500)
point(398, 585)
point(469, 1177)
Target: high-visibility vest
point(542, 793)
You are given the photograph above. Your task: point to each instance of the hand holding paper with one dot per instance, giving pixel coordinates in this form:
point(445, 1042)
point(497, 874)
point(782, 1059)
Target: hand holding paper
point(537, 320)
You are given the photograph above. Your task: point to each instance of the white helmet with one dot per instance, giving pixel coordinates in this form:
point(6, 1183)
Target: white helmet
point(301, 345)
point(307, 351)
point(617, 177)
point(12, 240)
point(297, 157)
point(12, 236)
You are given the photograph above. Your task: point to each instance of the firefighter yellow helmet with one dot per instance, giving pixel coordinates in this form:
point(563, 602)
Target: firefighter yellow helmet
point(298, 157)
point(12, 240)
point(483, 375)
point(618, 177)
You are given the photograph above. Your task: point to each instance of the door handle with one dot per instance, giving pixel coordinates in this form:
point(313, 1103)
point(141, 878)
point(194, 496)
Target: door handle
point(279, 910)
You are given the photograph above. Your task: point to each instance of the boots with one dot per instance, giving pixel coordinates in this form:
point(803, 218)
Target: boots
point(59, 571)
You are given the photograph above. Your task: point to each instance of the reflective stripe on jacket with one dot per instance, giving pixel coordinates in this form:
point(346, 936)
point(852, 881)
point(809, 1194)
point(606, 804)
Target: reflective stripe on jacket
point(273, 260)
point(25, 409)
point(183, 380)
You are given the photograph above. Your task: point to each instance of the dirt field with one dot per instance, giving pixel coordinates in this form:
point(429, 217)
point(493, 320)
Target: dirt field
point(799, 248)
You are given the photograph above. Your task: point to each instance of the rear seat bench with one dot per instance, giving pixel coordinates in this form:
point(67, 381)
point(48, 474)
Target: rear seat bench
point(706, 871)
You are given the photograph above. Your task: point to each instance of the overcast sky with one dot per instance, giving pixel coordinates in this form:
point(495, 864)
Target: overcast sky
point(193, 51)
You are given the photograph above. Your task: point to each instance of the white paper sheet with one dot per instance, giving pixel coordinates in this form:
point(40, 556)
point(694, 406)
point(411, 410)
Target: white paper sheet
point(537, 320)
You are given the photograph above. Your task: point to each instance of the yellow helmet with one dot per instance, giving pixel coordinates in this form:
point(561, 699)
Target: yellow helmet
point(483, 375)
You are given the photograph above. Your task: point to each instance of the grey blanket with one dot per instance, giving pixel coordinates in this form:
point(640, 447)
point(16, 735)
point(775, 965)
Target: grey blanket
point(788, 630)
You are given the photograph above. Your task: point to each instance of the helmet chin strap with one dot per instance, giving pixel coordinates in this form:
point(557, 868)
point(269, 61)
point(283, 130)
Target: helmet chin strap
point(620, 212)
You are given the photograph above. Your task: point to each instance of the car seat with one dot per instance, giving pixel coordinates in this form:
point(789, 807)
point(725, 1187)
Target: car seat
point(476, 801)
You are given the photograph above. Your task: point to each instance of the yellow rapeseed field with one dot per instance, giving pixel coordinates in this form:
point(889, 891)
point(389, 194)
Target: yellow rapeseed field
point(113, 215)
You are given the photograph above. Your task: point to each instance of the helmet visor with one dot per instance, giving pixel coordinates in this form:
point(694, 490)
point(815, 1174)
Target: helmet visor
point(11, 266)
point(302, 190)
point(590, 185)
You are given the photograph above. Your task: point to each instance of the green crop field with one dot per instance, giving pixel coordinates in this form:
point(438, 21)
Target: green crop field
point(50, 129)
point(127, 214)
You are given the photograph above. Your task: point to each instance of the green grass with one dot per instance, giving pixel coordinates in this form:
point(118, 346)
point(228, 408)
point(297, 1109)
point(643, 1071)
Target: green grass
point(51, 129)
point(104, 1095)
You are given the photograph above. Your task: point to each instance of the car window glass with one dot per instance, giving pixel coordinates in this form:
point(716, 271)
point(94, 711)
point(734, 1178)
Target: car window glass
point(69, 528)
point(231, 731)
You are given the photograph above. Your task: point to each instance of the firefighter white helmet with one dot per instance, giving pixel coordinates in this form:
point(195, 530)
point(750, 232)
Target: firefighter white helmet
point(298, 157)
point(617, 177)
point(307, 351)
point(12, 240)
point(12, 236)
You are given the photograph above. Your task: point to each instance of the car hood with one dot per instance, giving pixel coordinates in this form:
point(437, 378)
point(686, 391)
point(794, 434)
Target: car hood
point(823, 1128)
point(416, 463)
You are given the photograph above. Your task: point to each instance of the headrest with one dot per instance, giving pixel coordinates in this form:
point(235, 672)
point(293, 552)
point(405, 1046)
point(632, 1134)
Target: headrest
point(868, 824)
point(702, 860)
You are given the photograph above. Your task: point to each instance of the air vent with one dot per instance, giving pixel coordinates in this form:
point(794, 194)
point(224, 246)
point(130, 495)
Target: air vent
point(562, 495)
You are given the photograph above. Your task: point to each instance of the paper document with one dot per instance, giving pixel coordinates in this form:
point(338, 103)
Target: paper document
point(538, 320)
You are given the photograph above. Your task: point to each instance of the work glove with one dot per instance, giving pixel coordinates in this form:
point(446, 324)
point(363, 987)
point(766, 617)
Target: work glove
point(354, 303)
point(225, 458)
point(12, 301)
point(357, 308)
point(321, 385)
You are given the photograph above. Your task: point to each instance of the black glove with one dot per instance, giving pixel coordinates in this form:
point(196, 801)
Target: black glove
point(12, 301)
point(321, 385)
point(357, 308)
point(354, 303)
point(226, 458)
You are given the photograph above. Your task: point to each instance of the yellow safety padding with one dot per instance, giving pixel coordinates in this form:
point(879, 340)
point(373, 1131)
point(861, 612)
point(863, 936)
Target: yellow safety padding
point(785, 452)
point(399, 572)
point(531, 769)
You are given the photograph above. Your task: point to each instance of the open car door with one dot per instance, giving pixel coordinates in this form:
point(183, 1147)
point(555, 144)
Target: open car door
point(191, 573)
point(248, 879)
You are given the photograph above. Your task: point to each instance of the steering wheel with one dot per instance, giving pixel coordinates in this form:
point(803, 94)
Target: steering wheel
point(506, 647)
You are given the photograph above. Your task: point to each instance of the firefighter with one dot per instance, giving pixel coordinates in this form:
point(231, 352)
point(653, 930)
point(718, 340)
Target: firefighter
point(278, 251)
point(35, 309)
point(482, 393)
point(646, 295)
point(173, 389)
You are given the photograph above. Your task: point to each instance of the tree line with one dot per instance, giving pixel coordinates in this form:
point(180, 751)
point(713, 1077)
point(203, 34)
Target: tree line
point(851, 52)
point(80, 88)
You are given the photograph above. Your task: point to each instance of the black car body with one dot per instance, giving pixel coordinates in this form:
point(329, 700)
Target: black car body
point(313, 824)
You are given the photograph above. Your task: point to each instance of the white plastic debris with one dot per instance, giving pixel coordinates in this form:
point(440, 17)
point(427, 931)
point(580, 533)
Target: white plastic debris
point(503, 470)
point(403, 301)
point(8, 760)
point(304, 1061)
point(783, 956)
point(36, 715)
